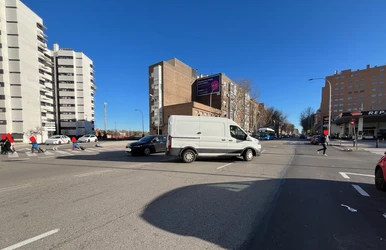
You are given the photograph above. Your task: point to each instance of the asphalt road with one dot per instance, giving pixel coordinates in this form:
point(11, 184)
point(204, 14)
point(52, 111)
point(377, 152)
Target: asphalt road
point(288, 198)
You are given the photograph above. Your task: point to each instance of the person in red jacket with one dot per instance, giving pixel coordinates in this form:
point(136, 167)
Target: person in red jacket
point(74, 144)
point(12, 141)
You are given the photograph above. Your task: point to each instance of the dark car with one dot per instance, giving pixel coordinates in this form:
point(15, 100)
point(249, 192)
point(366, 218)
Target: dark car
point(147, 145)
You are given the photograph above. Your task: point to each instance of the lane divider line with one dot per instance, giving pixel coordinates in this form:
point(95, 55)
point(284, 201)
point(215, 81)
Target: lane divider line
point(33, 239)
point(226, 165)
point(360, 190)
point(15, 187)
point(93, 173)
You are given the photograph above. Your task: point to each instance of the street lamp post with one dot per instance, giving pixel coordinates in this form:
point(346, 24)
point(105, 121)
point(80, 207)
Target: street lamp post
point(143, 128)
point(159, 116)
point(329, 105)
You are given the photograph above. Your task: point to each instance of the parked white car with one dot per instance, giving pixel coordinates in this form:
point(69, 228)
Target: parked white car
point(88, 138)
point(58, 139)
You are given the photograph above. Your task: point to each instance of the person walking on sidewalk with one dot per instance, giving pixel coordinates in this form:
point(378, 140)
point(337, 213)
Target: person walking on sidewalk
point(323, 141)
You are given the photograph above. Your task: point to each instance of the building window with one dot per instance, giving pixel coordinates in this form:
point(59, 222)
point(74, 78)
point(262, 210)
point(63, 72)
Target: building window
point(341, 77)
point(349, 104)
point(380, 94)
point(373, 95)
point(381, 76)
point(374, 77)
point(362, 84)
point(349, 98)
point(342, 83)
point(356, 86)
point(337, 78)
point(335, 105)
point(372, 101)
point(341, 88)
point(340, 99)
point(355, 92)
point(374, 83)
point(341, 105)
point(335, 110)
point(348, 109)
point(340, 110)
point(362, 91)
point(336, 88)
point(372, 107)
point(336, 99)
point(350, 87)
point(380, 82)
point(350, 92)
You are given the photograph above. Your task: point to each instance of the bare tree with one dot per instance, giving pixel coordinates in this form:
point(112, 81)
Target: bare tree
point(35, 132)
point(307, 117)
point(244, 107)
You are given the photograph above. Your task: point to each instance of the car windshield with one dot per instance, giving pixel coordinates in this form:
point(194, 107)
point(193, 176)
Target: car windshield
point(55, 137)
point(146, 138)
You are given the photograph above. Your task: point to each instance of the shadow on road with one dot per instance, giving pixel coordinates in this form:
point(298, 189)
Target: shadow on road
point(247, 215)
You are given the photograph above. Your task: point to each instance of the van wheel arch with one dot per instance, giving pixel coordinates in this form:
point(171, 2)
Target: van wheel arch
point(246, 154)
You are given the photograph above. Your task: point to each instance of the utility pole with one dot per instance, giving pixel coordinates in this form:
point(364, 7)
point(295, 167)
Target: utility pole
point(105, 105)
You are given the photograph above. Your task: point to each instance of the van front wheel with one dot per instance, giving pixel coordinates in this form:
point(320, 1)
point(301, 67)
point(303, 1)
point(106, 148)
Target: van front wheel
point(188, 156)
point(248, 155)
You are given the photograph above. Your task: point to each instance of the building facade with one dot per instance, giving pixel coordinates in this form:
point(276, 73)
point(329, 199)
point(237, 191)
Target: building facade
point(359, 91)
point(74, 92)
point(176, 89)
point(26, 89)
point(31, 91)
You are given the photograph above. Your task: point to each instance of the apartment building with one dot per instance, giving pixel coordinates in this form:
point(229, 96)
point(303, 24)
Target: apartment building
point(74, 92)
point(169, 84)
point(358, 92)
point(176, 89)
point(42, 92)
point(26, 88)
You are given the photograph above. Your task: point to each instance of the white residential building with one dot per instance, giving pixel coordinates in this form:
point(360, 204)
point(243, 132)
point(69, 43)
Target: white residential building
point(74, 92)
point(26, 89)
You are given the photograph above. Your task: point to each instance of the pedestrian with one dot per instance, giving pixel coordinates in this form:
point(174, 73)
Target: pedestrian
point(74, 144)
point(12, 141)
point(323, 142)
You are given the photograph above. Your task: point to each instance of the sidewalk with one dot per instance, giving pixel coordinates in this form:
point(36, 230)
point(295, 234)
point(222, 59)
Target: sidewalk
point(363, 145)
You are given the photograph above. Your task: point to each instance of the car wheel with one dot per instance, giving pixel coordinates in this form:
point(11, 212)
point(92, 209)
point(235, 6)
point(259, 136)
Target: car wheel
point(60, 142)
point(248, 155)
point(68, 142)
point(146, 151)
point(88, 140)
point(96, 140)
point(188, 156)
point(380, 180)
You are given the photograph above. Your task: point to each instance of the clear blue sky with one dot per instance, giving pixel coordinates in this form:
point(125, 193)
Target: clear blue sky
point(276, 44)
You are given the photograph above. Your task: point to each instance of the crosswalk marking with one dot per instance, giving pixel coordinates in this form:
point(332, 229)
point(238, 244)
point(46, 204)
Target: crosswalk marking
point(14, 155)
point(63, 152)
point(19, 154)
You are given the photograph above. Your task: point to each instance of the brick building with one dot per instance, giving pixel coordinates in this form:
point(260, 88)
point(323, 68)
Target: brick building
point(176, 89)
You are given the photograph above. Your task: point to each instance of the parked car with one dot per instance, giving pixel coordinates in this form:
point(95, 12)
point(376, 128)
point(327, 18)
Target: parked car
point(58, 139)
point(190, 137)
point(315, 139)
point(88, 138)
point(309, 137)
point(380, 174)
point(147, 145)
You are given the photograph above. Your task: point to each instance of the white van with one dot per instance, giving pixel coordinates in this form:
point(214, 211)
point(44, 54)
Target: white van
point(192, 136)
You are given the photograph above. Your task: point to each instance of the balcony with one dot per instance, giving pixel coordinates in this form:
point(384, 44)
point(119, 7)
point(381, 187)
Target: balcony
point(67, 93)
point(66, 61)
point(93, 86)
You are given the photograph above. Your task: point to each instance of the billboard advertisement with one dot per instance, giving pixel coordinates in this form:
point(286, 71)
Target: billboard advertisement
point(208, 85)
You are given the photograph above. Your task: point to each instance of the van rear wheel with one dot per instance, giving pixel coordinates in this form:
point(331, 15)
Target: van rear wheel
point(248, 155)
point(188, 156)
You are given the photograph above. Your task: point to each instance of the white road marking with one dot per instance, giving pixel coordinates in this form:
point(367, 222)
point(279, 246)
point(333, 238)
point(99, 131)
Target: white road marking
point(63, 152)
point(349, 208)
point(345, 175)
point(30, 154)
point(263, 151)
point(48, 153)
point(226, 165)
point(14, 155)
point(33, 239)
point(360, 190)
point(15, 187)
point(93, 173)
point(339, 148)
point(92, 149)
